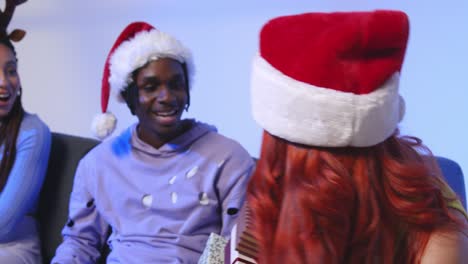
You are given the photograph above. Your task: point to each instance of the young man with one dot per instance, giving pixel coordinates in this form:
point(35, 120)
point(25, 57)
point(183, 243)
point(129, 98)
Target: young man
point(165, 184)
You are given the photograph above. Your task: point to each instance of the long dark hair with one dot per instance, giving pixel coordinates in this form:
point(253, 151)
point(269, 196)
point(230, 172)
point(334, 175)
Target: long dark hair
point(9, 131)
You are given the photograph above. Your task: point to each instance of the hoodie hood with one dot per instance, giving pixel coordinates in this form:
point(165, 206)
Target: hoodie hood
point(176, 145)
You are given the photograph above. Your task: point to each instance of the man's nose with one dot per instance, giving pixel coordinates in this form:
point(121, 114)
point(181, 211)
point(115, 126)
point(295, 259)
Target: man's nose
point(164, 94)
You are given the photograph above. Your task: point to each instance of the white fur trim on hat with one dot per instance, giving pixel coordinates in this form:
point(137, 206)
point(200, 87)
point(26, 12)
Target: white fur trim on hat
point(103, 125)
point(316, 116)
point(144, 47)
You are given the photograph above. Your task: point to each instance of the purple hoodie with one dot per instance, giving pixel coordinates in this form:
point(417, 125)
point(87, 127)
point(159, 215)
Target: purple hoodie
point(162, 204)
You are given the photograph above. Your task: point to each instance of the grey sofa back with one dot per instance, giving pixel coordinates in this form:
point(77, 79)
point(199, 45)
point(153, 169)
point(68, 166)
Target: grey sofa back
point(66, 152)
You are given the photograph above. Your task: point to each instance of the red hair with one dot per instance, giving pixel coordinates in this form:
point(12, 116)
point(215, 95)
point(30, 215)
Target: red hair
point(376, 204)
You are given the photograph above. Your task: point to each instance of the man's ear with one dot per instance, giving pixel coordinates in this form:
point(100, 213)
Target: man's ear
point(130, 95)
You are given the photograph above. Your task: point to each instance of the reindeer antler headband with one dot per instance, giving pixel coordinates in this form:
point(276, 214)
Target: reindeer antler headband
point(5, 17)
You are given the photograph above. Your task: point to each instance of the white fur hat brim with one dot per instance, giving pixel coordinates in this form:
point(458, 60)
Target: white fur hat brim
point(141, 49)
point(317, 116)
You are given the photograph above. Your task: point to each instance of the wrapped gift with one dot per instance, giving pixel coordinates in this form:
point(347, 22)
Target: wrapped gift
point(242, 248)
point(214, 250)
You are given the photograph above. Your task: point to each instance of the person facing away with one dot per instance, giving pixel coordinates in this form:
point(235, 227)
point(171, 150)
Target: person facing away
point(164, 184)
point(335, 181)
point(24, 154)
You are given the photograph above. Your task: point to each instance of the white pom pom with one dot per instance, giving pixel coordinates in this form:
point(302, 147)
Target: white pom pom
point(103, 125)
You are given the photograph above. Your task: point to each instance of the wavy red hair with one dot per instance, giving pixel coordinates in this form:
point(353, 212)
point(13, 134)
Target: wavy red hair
point(376, 204)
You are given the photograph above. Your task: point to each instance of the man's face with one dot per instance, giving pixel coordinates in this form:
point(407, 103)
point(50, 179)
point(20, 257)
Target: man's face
point(162, 96)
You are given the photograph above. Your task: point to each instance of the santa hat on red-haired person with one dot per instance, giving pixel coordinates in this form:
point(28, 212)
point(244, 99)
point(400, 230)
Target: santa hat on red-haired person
point(330, 79)
point(138, 44)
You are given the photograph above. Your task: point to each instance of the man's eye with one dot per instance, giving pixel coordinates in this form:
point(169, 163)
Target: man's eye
point(149, 88)
point(11, 71)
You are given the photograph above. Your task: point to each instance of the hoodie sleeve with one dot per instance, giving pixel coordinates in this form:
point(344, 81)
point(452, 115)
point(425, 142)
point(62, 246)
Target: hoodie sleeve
point(85, 231)
point(24, 183)
point(232, 185)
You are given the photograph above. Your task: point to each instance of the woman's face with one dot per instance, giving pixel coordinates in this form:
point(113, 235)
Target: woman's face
point(9, 80)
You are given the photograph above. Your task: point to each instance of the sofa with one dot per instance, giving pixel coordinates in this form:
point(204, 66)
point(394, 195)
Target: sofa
point(52, 214)
point(67, 150)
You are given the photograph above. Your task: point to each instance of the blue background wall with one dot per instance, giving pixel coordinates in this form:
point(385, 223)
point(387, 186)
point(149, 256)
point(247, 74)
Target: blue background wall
point(62, 57)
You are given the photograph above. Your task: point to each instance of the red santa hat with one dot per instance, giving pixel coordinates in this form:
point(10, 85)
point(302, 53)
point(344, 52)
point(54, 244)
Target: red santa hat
point(138, 44)
point(330, 79)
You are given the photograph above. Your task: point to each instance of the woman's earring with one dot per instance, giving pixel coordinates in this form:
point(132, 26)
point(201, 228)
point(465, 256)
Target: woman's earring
point(19, 92)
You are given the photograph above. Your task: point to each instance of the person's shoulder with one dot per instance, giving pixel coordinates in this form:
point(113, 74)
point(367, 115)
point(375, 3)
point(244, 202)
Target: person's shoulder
point(225, 143)
point(448, 246)
point(99, 150)
point(221, 147)
point(32, 122)
point(33, 131)
point(113, 146)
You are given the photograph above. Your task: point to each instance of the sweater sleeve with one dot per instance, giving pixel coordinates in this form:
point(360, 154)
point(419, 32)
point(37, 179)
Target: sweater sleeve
point(85, 231)
point(232, 186)
point(25, 180)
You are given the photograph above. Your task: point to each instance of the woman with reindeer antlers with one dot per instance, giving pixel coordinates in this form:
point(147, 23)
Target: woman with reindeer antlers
point(24, 152)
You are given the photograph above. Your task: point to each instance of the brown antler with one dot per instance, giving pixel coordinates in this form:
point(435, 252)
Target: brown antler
point(5, 16)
